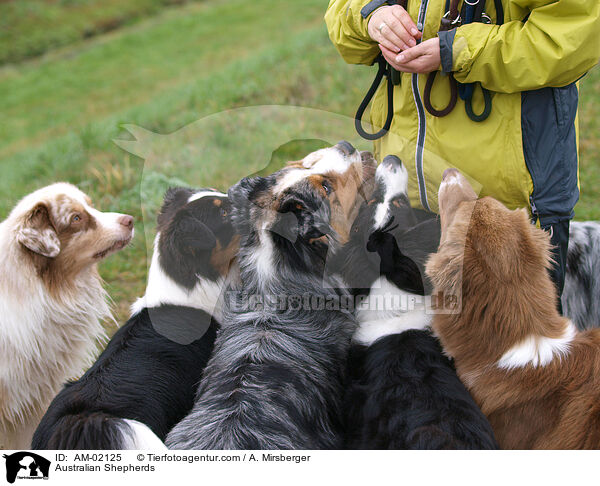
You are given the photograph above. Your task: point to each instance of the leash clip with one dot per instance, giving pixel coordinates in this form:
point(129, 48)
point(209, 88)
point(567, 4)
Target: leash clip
point(449, 24)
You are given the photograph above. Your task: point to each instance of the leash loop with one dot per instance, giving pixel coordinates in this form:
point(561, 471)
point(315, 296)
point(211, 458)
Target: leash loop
point(384, 70)
point(487, 99)
point(427, 96)
point(450, 20)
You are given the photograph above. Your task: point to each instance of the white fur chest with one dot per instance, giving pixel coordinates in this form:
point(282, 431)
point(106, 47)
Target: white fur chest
point(45, 341)
point(389, 310)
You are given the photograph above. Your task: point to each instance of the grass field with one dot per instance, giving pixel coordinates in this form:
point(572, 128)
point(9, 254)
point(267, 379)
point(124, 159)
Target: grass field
point(30, 28)
point(61, 112)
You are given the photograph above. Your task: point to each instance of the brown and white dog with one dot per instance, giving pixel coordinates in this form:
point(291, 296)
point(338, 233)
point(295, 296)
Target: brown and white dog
point(535, 377)
point(52, 302)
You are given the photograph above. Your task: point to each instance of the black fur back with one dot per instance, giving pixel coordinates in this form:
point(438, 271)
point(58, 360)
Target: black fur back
point(404, 394)
point(141, 375)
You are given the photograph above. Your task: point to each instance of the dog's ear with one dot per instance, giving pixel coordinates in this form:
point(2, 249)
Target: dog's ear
point(239, 194)
point(185, 247)
point(243, 196)
point(286, 225)
point(421, 240)
point(189, 235)
point(500, 243)
point(175, 198)
point(315, 224)
point(296, 218)
point(36, 232)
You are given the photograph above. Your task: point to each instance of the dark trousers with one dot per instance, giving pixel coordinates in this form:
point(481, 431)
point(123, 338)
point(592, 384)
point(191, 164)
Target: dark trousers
point(560, 242)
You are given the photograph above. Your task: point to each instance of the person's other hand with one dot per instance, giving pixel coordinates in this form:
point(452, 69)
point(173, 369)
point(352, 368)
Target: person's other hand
point(392, 27)
point(422, 58)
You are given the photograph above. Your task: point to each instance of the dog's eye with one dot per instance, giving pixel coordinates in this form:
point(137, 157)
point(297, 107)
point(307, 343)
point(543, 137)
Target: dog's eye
point(76, 218)
point(223, 213)
point(327, 187)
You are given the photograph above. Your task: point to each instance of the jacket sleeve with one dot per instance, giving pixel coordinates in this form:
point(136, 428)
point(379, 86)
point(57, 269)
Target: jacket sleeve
point(557, 44)
point(348, 31)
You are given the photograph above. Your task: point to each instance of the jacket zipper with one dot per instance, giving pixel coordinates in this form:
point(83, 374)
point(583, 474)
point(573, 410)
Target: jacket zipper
point(421, 118)
point(534, 211)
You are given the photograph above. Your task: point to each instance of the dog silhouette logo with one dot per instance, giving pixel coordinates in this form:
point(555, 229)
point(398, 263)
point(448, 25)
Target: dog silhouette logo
point(26, 465)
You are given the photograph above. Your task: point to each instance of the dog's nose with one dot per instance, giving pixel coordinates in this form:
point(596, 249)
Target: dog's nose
point(345, 147)
point(449, 173)
point(126, 220)
point(392, 163)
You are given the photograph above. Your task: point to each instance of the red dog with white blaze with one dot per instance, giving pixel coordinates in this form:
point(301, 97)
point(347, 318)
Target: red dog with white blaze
point(534, 376)
point(52, 302)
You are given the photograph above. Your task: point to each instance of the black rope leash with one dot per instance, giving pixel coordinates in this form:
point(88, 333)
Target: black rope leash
point(383, 70)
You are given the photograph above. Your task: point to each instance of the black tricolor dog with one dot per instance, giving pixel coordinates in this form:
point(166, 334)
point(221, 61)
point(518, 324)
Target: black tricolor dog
point(275, 378)
point(402, 392)
point(389, 239)
point(145, 380)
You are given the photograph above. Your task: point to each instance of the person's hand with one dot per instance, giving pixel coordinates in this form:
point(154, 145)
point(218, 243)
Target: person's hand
point(392, 27)
point(422, 58)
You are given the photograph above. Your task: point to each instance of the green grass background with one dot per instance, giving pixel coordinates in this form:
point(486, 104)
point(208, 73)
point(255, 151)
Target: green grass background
point(163, 65)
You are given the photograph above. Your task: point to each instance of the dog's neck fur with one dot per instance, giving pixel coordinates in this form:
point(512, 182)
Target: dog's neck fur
point(44, 339)
point(264, 272)
point(522, 377)
point(512, 326)
point(163, 290)
point(389, 310)
point(258, 262)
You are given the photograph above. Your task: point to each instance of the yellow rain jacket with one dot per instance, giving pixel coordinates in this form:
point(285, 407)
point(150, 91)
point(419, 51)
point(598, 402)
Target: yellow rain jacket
point(525, 152)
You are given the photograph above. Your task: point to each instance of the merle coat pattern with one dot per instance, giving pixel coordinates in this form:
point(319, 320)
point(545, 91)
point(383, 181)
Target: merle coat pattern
point(275, 378)
point(581, 294)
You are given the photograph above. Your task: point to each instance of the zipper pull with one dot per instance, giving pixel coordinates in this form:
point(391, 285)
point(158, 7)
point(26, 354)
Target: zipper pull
point(534, 211)
point(421, 18)
point(532, 204)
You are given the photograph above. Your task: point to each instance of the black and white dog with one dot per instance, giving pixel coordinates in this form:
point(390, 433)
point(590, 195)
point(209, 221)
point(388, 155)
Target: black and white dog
point(145, 380)
point(402, 392)
point(275, 378)
point(581, 295)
